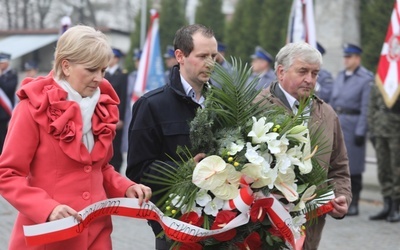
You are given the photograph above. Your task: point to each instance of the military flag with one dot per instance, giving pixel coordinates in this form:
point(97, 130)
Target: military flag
point(151, 69)
point(387, 76)
point(301, 23)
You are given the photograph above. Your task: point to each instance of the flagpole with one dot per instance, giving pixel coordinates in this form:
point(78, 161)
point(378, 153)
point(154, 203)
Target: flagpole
point(143, 18)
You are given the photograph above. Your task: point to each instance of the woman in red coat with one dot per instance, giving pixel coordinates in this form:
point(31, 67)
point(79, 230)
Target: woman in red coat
point(59, 143)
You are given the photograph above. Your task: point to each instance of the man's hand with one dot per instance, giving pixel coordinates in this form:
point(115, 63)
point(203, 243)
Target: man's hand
point(340, 207)
point(120, 124)
point(63, 211)
point(139, 191)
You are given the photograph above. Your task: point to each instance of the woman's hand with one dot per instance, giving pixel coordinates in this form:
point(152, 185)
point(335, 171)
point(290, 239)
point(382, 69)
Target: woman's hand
point(139, 191)
point(63, 211)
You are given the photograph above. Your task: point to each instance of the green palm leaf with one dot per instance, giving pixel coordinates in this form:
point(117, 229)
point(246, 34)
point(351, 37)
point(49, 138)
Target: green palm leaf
point(231, 106)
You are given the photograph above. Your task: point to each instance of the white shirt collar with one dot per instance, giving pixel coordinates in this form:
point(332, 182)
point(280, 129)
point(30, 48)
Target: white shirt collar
point(112, 69)
point(190, 92)
point(291, 100)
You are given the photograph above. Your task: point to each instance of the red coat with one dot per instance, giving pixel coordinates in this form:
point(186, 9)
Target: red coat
point(44, 163)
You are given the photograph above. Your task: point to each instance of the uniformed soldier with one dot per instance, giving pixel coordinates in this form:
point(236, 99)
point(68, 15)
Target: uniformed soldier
point(325, 80)
point(384, 125)
point(350, 96)
point(170, 61)
point(8, 85)
point(262, 67)
point(118, 79)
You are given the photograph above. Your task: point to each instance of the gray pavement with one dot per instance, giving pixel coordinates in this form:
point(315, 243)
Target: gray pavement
point(350, 233)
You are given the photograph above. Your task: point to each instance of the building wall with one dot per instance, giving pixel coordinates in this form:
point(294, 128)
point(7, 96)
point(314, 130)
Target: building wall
point(337, 22)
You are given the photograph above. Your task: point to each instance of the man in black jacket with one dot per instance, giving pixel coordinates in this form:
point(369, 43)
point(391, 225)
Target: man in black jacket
point(118, 79)
point(160, 118)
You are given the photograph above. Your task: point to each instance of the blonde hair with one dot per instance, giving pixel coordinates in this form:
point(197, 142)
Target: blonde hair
point(82, 45)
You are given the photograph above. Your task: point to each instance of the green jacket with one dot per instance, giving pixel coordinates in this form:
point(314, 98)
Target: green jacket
point(382, 121)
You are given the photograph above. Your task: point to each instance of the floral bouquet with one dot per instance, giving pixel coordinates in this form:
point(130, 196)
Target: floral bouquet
point(258, 184)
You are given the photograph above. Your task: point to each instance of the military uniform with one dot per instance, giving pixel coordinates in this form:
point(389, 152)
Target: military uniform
point(384, 126)
point(350, 96)
point(8, 85)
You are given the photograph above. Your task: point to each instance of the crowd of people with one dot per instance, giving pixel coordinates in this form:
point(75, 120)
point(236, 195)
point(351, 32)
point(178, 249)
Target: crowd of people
point(67, 140)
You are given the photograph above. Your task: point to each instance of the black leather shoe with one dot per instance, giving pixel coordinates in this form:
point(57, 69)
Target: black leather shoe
point(353, 210)
point(387, 206)
point(394, 214)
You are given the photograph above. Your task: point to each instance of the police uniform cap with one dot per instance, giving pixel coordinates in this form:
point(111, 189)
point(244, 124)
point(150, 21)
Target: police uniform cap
point(260, 53)
point(169, 52)
point(351, 49)
point(320, 48)
point(221, 47)
point(4, 57)
point(137, 53)
point(117, 53)
point(29, 65)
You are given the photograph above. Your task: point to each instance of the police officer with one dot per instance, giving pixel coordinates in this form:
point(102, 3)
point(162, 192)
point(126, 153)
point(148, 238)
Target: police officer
point(324, 84)
point(350, 96)
point(8, 85)
point(118, 79)
point(262, 67)
point(220, 58)
point(170, 61)
point(31, 68)
point(384, 125)
point(137, 53)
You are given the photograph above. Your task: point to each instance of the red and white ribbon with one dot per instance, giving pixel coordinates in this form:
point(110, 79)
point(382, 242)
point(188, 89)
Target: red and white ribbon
point(175, 229)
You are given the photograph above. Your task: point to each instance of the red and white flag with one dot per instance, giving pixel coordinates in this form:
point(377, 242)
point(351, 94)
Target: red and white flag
point(387, 76)
point(301, 23)
point(151, 69)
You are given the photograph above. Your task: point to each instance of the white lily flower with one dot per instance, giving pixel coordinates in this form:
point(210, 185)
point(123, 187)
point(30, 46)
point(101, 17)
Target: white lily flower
point(202, 197)
point(194, 208)
point(298, 221)
point(177, 200)
point(260, 129)
point(209, 173)
point(278, 146)
point(252, 155)
point(213, 206)
point(283, 162)
point(306, 167)
point(298, 133)
point(308, 195)
point(234, 148)
point(291, 158)
point(261, 174)
point(286, 184)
